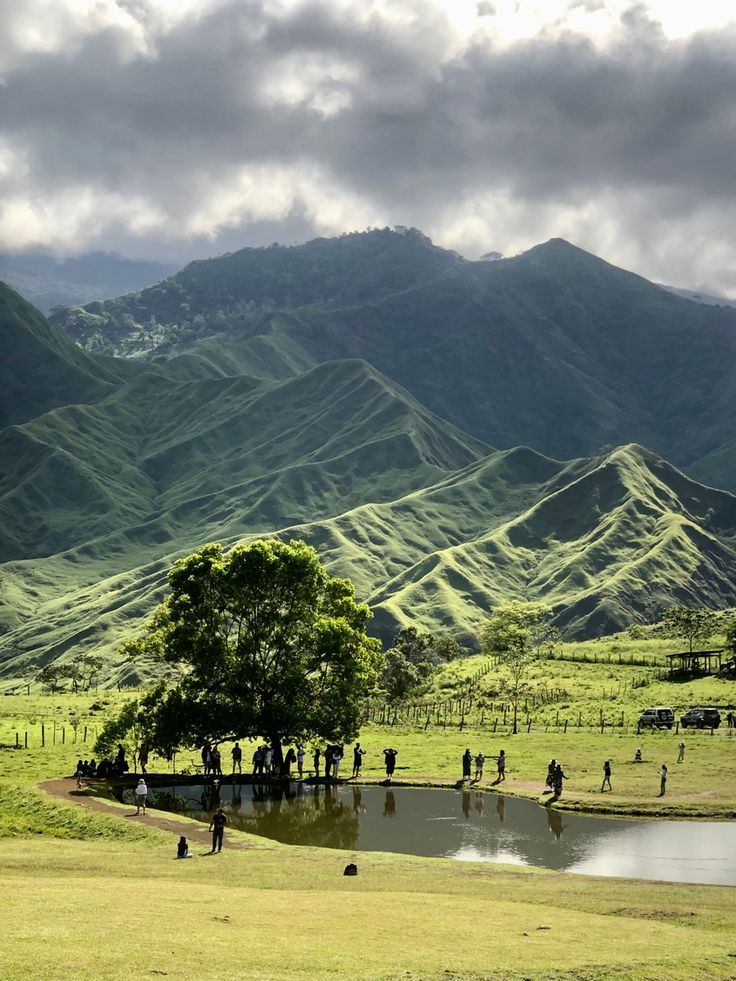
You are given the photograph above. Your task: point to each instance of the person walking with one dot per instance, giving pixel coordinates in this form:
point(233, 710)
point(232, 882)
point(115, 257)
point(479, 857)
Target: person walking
point(501, 764)
point(559, 776)
point(606, 776)
point(549, 782)
point(143, 759)
point(467, 763)
point(730, 720)
point(479, 763)
point(663, 780)
point(681, 752)
point(389, 756)
point(358, 754)
point(217, 827)
point(141, 794)
point(237, 754)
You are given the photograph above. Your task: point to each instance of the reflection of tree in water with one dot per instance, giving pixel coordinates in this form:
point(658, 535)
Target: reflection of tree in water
point(287, 814)
point(554, 820)
point(389, 807)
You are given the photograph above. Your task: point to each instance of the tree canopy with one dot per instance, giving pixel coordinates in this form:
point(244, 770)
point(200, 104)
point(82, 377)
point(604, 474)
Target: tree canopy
point(412, 659)
point(517, 633)
point(691, 625)
point(268, 644)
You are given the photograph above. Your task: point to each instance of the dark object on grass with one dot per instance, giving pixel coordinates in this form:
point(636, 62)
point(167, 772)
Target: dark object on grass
point(351, 869)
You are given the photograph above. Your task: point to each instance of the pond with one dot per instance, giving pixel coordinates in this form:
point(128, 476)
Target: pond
point(468, 825)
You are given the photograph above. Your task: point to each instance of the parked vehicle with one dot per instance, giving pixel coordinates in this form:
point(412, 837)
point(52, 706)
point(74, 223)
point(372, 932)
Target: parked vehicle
point(701, 718)
point(657, 718)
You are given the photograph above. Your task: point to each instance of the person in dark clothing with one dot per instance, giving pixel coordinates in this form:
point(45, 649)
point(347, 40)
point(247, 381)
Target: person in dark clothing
point(663, 780)
point(315, 761)
point(501, 766)
point(237, 754)
point(358, 754)
point(143, 760)
point(120, 763)
point(217, 827)
point(288, 760)
point(549, 782)
point(559, 776)
point(467, 764)
point(182, 848)
point(389, 756)
point(606, 775)
point(328, 761)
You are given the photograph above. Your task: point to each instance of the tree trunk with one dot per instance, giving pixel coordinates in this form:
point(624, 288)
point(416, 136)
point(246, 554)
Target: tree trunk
point(277, 754)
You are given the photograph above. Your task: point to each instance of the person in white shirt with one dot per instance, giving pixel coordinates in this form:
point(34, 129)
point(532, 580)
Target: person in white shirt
point(141, 793)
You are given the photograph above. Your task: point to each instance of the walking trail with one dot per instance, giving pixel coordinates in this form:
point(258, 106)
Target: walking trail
point(65, 790)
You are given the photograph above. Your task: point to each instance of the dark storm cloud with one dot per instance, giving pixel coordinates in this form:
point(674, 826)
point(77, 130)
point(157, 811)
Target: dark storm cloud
point(418, 124)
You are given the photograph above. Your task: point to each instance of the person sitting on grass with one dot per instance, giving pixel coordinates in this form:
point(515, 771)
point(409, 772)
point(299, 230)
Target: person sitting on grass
point(182, 848)
point(637, 756)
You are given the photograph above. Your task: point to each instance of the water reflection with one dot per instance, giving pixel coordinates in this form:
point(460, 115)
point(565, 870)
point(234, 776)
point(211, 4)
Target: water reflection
point(466, 824)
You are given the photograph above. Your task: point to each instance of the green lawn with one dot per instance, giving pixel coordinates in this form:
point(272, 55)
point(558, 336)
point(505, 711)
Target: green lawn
point(97, 896)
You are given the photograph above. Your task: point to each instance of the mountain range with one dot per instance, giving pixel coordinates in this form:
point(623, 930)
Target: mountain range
point(368, 394)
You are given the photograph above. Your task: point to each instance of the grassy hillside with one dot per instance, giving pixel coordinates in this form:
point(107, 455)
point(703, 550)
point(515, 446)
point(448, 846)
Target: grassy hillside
point(601, 540)
point(41, 369)
point(554, 349)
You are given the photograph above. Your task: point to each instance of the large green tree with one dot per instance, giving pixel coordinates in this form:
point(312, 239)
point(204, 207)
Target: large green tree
point(412, 659)
point(517, 634)
point(267, 643)
point(691, 625)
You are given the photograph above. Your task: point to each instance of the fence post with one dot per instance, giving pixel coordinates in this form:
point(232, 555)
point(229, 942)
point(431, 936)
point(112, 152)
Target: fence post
point(17, 743)
point(25, 739)
point(565, 729)
point(43, 735)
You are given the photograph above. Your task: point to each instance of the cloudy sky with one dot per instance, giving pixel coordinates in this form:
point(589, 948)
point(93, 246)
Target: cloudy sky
point(179, 128)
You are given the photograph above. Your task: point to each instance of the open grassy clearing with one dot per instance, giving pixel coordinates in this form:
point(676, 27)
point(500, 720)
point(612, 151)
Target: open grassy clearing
point(94, 893)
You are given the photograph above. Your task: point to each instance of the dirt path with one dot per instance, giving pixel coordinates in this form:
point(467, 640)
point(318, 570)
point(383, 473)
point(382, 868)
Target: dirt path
point(64, 790)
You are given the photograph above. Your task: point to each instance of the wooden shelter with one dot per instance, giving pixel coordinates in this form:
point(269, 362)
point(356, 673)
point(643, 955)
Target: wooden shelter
point(695, 662)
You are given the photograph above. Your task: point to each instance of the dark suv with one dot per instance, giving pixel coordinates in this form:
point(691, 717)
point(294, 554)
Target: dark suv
point(701, 718)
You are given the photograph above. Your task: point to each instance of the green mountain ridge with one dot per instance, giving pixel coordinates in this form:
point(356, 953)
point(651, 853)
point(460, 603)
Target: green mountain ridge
point(555, 348)
point(111, 469)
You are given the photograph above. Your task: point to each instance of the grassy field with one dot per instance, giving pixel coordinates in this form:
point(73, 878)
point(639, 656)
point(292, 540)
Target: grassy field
point(98, 895)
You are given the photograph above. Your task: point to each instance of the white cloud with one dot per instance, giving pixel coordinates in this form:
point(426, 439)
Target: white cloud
point(165, 127)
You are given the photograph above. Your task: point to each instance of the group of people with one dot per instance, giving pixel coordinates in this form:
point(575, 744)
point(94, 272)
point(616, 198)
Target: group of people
point(479, 760)
point(555, 776)
point(270, 763)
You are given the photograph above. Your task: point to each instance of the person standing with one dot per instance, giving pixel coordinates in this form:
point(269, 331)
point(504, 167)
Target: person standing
point(287, 762)
point(501, 764)
point(467, 763)
point(549, 782)
point(606, 776)
point(389, 756)
point(206, 758)
point(300, 754)
point(328, 761)
point(143, 759)
point(559, 776)
point(217, 827)
point(663, 780)
point(141, 794)
point(358, 754)
point(681, 752)
point(315, 761)
point(479, 763)
point(336, 760)
point(268, 760)
point(237, 754)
